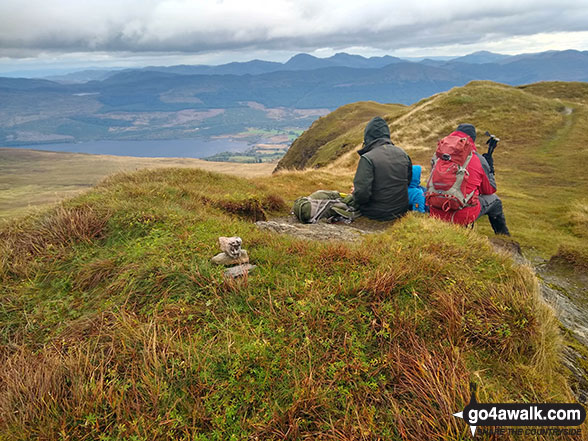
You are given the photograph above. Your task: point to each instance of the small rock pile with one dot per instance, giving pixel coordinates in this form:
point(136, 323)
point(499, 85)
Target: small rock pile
point(233, 256)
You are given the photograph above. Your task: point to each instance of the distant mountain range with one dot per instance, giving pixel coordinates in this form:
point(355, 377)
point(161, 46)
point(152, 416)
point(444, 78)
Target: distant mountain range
point(254, 67)
point(77, 106)
point(308, 62)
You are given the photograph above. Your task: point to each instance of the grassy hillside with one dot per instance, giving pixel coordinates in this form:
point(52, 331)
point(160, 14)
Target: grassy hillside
point(560, 90)
point(114, 325)
point(340, 128)
point(544, 133)
point(31, 179)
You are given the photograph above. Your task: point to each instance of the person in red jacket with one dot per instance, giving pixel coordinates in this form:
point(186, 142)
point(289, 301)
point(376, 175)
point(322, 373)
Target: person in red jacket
point(482, 182)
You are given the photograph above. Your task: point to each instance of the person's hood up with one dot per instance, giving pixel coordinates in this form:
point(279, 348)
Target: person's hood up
point(376, 129)
point(416, 176)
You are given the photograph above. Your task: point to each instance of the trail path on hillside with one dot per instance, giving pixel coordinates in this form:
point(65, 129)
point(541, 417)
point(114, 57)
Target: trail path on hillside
point(347, 158)
point(566, 292)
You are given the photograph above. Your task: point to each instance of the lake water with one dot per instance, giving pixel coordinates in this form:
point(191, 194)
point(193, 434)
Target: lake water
point(174, 148)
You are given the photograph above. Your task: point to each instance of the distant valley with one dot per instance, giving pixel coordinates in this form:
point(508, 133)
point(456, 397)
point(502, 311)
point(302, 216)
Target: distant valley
point(257, 102)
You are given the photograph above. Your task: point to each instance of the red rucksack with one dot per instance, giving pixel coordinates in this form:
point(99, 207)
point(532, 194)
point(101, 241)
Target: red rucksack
point(446, 187)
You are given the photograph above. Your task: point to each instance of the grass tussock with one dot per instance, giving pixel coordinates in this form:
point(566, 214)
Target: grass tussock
point(52, 232)
point(576, 257)
point(575, 254)
point(438, 378)
point(578, 218)
point(252, 208)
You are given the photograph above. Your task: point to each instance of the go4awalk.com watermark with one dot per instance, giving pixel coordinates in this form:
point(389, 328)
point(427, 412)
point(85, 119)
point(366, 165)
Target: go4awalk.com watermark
point(537, 419)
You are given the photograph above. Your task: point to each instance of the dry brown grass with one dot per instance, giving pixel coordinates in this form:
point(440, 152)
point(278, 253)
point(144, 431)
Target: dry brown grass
point(430, 385)
point(578, 217)
point(113, 363)
point(21, 242)
point(251, 209)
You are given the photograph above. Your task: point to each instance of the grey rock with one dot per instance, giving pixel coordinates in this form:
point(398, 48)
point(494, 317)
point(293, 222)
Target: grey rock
point(239, 271)
point(225, 259)
point(318, 231)
point(230, 245)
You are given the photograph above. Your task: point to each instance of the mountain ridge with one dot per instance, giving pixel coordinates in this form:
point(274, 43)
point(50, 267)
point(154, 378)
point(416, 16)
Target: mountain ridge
point(543, 134)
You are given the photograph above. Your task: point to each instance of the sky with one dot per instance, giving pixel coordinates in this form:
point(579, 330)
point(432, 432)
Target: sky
point(73, 34)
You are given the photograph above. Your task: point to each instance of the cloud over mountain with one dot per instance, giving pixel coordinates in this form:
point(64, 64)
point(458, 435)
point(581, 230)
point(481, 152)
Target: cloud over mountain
point(203, 26)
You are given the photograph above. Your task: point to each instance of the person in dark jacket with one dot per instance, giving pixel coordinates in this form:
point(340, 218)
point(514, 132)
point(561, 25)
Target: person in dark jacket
point(382, 176)
point(482, 183)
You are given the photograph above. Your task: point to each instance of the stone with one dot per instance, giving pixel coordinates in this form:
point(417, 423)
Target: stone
point(230, 245)
point(239, 271)
point(225, 259)
point(318, 231)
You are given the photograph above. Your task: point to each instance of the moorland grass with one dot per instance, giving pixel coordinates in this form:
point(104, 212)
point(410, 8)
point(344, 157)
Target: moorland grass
point(34, 179)
point(115, 325)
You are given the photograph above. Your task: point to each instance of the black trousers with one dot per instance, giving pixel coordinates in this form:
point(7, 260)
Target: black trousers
point(491, 205)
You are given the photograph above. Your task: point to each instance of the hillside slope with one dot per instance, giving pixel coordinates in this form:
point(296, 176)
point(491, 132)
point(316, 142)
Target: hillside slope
point(544, 137)
point(339, 128)
point(508, 111)
point(115, 325)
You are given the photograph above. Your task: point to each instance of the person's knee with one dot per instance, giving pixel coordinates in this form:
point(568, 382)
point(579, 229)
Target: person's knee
point(495, 208)
point(498, 203)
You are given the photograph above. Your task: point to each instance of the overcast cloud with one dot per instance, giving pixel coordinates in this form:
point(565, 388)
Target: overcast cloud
point(129, 28)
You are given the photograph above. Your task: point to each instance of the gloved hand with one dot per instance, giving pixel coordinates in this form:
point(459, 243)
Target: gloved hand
point(492, 144)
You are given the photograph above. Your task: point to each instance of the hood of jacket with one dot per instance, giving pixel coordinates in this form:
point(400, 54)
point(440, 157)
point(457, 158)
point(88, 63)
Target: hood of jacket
point(416, 176)
point(376, 130)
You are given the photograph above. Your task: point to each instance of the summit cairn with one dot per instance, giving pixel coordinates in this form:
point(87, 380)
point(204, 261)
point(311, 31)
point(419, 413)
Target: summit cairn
point(231, 245)
point(233, 256)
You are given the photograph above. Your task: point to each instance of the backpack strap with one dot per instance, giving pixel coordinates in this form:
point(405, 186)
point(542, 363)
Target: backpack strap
point(461, 174)
point(319, 206)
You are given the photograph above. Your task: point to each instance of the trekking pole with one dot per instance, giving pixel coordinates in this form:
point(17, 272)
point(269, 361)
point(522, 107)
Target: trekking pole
point(492, 142)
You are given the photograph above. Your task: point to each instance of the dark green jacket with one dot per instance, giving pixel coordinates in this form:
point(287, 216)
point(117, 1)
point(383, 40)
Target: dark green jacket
point(382, 176)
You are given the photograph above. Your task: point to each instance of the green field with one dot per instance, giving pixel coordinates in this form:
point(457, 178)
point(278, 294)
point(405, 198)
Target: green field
point(255, 154)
